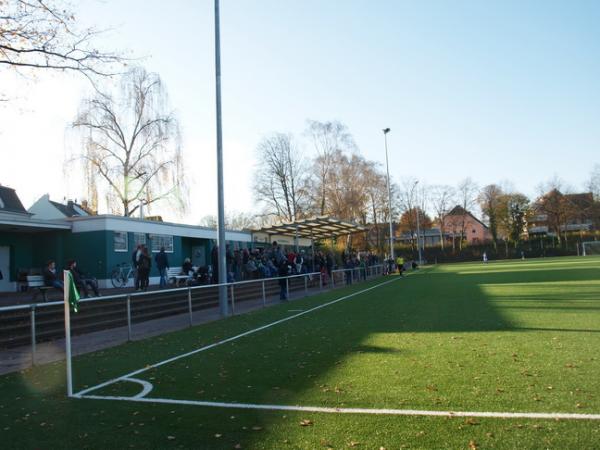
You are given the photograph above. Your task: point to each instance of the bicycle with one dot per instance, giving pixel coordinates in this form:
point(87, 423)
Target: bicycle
point(121, 274)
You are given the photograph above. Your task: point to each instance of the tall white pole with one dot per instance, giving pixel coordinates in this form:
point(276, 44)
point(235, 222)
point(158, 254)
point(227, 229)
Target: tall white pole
point(389, 189)
point(418, 213)
point(67, 286)
point(419, 234)
point(222, 264)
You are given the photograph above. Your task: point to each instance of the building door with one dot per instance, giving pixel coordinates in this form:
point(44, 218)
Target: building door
point(5, 284)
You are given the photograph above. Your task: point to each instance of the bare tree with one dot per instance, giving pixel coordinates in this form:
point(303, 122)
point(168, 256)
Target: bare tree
point(377, 208)
point(132, 144)
point(408, 201)
point(442, 198)
point(467, 195)
point(43, 34)
point(593, 184)
point(233, 221)
point(490, 204)
point(329, 139)
point(281, 178)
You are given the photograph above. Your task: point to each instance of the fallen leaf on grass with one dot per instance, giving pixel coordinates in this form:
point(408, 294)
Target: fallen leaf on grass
point(353, 444)
point(218, 435)
point(471, 421)
point(257, 428)
point(171, 438)
point(473, 445)
point(306, 422)
point(237, 446)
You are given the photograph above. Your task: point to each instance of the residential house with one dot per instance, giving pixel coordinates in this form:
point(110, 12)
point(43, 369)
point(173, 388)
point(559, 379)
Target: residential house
point(565, 212)
point(44, 208)
point(461, 222)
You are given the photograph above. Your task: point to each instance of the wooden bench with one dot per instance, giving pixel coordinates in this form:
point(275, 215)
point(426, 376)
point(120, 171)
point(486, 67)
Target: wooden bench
point(174, 273)
point(37, 281)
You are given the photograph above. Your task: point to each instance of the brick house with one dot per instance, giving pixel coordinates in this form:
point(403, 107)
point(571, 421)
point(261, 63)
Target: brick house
point(474, 232)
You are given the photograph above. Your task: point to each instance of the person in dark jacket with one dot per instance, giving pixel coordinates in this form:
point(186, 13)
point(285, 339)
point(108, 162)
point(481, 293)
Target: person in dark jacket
point(144, 266)
point(162, 264)
point(283, 272)
point(51, 278)
point(81, 281)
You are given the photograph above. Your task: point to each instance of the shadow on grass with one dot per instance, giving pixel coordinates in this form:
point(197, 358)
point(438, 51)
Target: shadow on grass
point(280, 365)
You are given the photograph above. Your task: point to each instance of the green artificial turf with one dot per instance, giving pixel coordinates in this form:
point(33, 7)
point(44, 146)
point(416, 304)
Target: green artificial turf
point(516, 336)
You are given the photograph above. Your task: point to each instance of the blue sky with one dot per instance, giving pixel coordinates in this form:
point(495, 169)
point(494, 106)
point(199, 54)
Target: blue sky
point(496, 91)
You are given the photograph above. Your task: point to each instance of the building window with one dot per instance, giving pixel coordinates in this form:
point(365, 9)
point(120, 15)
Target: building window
point(161, 240)
point(474, 231)
point(139, 239)
point(120, 241)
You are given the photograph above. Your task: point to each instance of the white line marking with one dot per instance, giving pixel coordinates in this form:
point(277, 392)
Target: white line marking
point(374, 411)
point(225, 341)
point(295, 310)
point(147, 386)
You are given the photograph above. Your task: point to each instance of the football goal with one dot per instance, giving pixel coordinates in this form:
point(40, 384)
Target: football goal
point(591, 248)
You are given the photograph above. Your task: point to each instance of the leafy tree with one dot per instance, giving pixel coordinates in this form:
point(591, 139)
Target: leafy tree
point(512, 213)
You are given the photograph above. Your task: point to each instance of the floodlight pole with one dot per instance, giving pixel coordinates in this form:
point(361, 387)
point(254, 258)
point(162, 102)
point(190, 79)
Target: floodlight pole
point(418, 213)
point(389, 189)
point(223, 306)
point(66, 294)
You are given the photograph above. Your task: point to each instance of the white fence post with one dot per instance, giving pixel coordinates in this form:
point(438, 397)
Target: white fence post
point(129, 318)
point(67, 286)
point(190, 306)
point(287, 288)
point(33, 337)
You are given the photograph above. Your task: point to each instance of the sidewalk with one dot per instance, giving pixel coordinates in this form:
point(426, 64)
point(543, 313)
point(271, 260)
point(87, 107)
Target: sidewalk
point(20, 358)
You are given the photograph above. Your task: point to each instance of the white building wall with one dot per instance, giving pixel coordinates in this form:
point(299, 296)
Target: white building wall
point(43, 209)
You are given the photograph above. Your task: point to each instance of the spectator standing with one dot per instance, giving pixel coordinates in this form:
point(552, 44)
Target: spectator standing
point(135, 258)
point(144, 266)
point(50, 277)
point(283, 272)
point(299, 262)
point(162, 264)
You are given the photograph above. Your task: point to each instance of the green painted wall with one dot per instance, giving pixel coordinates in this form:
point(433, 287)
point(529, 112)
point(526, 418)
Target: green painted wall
point(49, 246)
point(94, 250)
point(89, 250)
point(21, 250)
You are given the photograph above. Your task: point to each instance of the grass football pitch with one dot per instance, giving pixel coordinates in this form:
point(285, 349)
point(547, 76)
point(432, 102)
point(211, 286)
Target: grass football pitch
point(359, 367)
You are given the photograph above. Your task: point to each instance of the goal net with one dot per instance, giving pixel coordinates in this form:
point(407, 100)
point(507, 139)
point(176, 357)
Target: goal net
point(591, 248)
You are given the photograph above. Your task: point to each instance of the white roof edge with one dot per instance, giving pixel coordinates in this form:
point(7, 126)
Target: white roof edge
point(38, 223)
point(118, 223)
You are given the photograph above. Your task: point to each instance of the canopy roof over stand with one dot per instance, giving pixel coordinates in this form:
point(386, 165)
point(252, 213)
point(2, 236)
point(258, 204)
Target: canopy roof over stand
point(319, 227)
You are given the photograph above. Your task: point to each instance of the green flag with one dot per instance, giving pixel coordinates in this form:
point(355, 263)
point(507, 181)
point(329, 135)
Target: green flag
point(73, 293)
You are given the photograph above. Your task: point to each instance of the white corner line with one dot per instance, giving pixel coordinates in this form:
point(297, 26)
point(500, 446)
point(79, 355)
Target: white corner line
point(370, 411)
point(83, 392)
point(147, 386)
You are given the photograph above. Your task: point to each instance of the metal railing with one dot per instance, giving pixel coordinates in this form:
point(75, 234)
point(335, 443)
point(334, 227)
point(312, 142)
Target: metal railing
point(353, 274)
